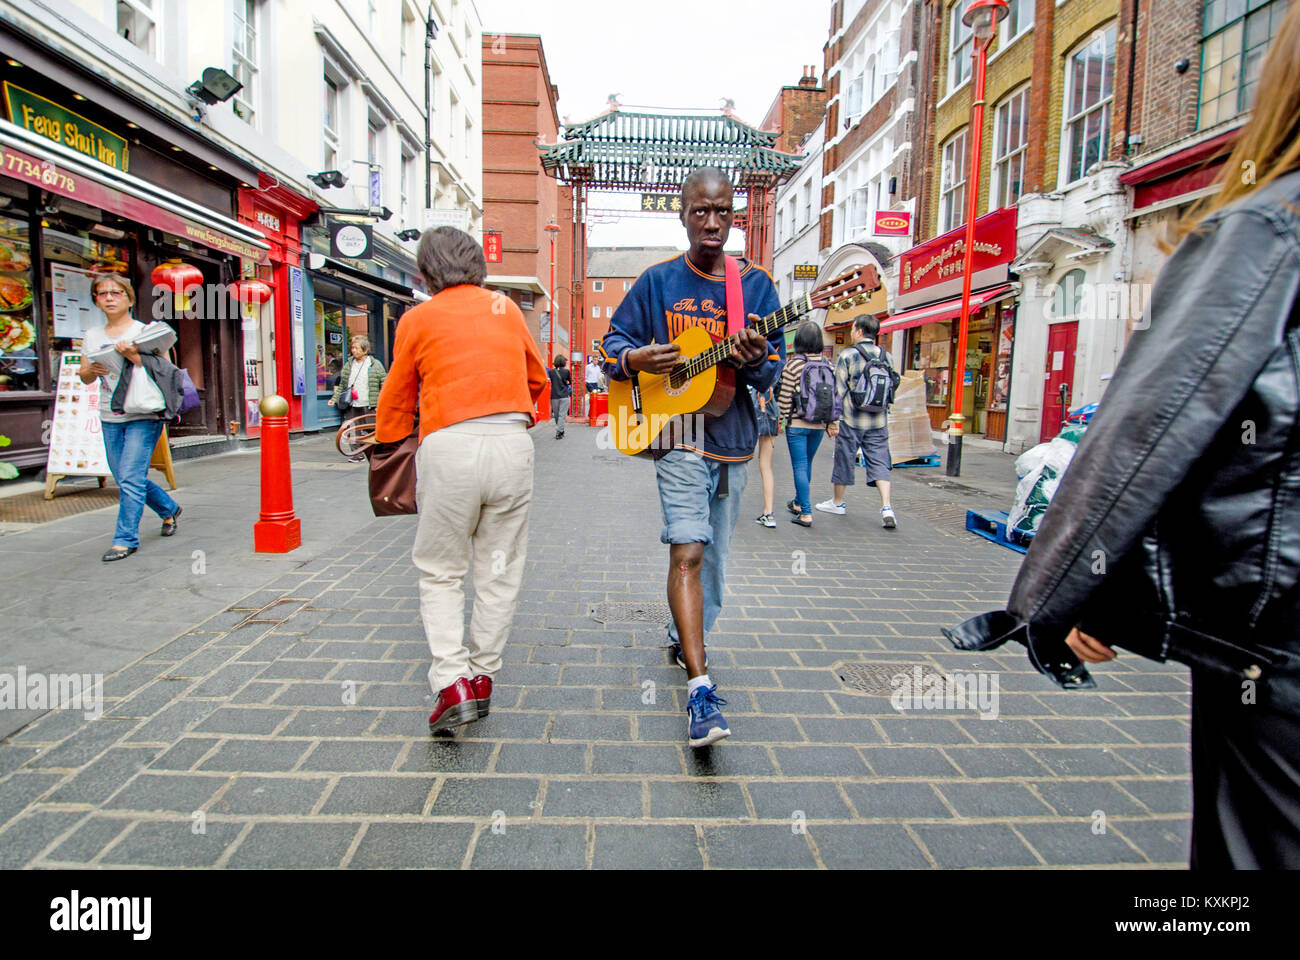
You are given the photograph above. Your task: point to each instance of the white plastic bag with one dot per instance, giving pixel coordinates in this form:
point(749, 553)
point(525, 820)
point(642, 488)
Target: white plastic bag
point(142, 394)
point(1040, 469)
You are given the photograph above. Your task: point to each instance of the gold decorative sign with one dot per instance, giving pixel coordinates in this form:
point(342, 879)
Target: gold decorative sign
point(805, 271)
point(47, 119)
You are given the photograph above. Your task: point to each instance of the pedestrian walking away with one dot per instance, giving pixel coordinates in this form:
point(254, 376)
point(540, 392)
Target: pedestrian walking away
point(129, 437)
point(769, 425)
point(806, 393)
point(359, 383)
point(700, 483)
point(474, 374)
point(561, 393)
point(1173, 532)
point(865, 380)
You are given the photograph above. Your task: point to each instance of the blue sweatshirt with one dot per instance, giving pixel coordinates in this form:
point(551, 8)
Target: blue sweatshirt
point(673, 295)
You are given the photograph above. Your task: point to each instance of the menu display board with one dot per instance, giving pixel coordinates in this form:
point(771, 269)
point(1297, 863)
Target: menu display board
point(74, 310)
point(76, 440)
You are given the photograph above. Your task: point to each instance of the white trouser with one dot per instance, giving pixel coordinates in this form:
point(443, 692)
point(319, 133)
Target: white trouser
point(474, 486)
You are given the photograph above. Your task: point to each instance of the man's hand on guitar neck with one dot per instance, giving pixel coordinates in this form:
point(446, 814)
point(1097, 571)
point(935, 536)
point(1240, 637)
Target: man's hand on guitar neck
point(657, 358)
point(751, 346)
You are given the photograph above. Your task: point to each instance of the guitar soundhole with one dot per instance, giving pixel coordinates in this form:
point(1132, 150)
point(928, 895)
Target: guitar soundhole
point(676, 382)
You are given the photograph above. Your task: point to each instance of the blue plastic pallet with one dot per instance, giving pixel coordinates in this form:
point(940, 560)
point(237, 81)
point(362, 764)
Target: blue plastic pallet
point(932, 461)
point(993, 526)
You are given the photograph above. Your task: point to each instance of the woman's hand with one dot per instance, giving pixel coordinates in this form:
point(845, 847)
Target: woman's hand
point(90, 371)
point(833, 429)
point(1088, 649)
point(129, 351)
point(330, 402)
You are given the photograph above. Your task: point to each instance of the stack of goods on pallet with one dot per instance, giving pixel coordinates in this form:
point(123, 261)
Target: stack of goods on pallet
point(909, 421)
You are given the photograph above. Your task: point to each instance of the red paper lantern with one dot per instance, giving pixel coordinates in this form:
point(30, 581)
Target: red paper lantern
point(251, 291)
point(177, 277)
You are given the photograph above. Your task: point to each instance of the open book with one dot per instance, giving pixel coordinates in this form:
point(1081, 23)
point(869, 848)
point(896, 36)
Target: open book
point(155, 338)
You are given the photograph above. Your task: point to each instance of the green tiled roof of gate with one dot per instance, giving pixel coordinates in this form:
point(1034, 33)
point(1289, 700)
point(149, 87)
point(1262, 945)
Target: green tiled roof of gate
point(650, 152)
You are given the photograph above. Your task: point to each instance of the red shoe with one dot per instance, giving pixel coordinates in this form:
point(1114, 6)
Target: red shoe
point(482, 687)
point(456, 706)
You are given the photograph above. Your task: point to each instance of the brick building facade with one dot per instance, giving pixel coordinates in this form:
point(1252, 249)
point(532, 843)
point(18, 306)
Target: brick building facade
point(611, 271)
point(519, 200)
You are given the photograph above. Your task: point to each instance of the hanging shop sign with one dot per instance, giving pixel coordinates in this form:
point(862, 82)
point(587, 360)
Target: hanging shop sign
point(662, 202)
point(459, 218)
point(933, 270)
point(352, 240)
point(805, 271)
point(49, 120)
point(492, 247)
point(299, 338)
point(892, 223)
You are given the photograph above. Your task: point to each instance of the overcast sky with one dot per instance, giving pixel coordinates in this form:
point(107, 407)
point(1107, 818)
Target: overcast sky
point(665, 53)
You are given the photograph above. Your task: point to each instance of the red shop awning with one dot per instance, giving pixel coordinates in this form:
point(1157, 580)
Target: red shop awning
point(944, 309)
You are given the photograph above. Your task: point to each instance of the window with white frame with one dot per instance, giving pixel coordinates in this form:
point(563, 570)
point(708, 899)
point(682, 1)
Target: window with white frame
point(790, 216)
point(952, 183)
point(244, 59)
point(1019, 18)
point(961, 45)
point(627, 285)
point(1089, 82)
point(595, 313)
point(853, 101)
point(1236, 34)
point(780, 227)
point(469, 135)
point(372, 7)
point(857, 212)
point(598, 286)
point(405, 182)
point(375, 159)
point(137, 21)
point(807, 201)
point(330, 125)
point(1010, 140)
point(609, 313)
point(403, 43)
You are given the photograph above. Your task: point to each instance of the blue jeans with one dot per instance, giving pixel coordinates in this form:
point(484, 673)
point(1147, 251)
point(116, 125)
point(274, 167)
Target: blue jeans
point(693, 513)
point(129, 446)
point(803, 444)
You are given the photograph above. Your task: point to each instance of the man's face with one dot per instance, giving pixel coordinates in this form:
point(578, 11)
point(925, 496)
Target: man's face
point(707, 215)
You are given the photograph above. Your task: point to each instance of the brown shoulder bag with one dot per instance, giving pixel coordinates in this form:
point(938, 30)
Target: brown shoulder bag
point(392, 465)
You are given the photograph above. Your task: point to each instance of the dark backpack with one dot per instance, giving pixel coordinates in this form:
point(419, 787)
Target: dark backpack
point(872, 390)
point(815, 399)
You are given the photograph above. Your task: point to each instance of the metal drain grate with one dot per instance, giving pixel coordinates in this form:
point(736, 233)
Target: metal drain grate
point(630, 611)
point(876, 679)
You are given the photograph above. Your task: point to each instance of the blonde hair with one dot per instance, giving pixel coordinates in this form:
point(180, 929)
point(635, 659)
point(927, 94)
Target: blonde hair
point(1268, 146)
point(363, 340)
point(120, 281)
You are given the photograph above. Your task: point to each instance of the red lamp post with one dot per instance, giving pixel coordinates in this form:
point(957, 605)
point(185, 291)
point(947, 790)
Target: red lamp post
point(982, 16)
point(553, 229)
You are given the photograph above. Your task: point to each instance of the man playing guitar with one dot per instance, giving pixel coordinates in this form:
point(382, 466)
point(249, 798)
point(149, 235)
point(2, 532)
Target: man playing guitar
point(700, 481)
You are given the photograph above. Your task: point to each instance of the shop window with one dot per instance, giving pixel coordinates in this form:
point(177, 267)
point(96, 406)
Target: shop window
point(137, 21)
point(952, 184)
point(1089, 82)
point(960, 48)
point(931, 355)
point(1010, 141)
point(244, 59)
point(19, 343)
point(1236, 35)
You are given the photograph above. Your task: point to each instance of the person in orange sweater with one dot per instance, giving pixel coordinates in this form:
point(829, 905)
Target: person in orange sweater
point(467, 359)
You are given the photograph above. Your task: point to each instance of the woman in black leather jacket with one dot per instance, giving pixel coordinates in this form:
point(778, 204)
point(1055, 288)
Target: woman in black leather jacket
point(1175, 532)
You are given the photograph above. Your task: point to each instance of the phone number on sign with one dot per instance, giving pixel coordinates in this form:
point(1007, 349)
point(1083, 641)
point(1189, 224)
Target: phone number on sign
point(36, 173)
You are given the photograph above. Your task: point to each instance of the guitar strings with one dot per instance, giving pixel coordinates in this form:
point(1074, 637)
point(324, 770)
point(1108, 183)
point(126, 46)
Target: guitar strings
point(721, 350)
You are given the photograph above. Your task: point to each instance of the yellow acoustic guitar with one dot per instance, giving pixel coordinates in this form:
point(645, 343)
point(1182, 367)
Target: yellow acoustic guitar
point(651, 413)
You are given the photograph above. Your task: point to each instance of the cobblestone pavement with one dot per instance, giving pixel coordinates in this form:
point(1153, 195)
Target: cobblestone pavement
point(290, 729)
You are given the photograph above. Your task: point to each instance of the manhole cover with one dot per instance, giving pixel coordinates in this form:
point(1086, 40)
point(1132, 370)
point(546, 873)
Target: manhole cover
point(877, 679)
point(631, 611)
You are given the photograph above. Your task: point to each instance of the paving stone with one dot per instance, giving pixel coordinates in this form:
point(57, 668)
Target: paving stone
point(150, 699)
point(1158, 761)
point(819, 761)
point(304, 846)
point(503, 725)
point(556, 698)
point(1153, 705)
point(1157, 731)
point(1161, 796)
point(1083, 761)
point(306, 694)
point(1083, 730)
point(757, 846)
point(975, 845)
point(341, 722)
point(697, 800)
point(1080, 798)
point(799, 704)
point(242, 720)
point(480, 796)
point(379, 795)
point(256, 755)
point(172, 722)
point(1074, 843)
point(635, 758)
point(866, 847)
point(21, 790)
point(989, 800)
point(353, 755)
point(181, 793)
point(909, 762)
point(28, 836)
point(926, 731)
point(1164, 841)
point(184, 754)
point(449, 756)
point(653, 847)
point(531, 846)
point(896, 800)
point(585, 798)
point(226, 681)
point(414, 695)
point(12, 757)
point(542, 758)
point(587, 728)
point(815, 799)
point(182, 647)
point(296, 670)
point(840, 730)
point(423, 846)
point(275, 796)
point(88, 840)
point(101, 778)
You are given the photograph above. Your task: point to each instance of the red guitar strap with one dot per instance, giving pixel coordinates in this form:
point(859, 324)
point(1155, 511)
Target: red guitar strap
point(735, 299)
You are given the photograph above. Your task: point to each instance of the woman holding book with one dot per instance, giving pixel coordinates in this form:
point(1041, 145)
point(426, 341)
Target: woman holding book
point(129, 439)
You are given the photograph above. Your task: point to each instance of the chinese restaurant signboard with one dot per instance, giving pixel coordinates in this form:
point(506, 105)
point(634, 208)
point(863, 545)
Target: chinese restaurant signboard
point(49, 120)
point(933, 270)
point(892, 223)
point(492, 249)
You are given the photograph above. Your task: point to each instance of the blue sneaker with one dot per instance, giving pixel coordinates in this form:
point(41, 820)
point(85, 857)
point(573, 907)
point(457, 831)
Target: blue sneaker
point(676, 650)
point(706, 724)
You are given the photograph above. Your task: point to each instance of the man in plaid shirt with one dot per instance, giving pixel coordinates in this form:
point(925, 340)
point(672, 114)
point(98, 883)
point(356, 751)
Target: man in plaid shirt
point(859, 430)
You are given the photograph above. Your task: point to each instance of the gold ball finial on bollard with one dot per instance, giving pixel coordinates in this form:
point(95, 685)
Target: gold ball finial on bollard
point(274, 406)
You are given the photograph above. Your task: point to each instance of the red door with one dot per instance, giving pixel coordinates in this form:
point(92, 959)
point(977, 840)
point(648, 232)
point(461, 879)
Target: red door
point(1058, 384)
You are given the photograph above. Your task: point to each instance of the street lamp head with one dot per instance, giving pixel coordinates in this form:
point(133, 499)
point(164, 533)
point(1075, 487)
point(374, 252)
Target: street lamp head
point(983, 16)
point(552, 228)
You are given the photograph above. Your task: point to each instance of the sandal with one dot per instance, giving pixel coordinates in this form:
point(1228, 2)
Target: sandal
point(169, 525)
point(801, 521)
point(118, 553)
point(793, 508)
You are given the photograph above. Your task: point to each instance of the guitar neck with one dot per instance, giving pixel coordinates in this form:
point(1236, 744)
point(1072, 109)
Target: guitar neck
point(769, 325)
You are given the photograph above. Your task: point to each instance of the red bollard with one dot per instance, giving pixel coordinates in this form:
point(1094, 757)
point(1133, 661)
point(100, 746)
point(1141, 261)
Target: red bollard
point(278, 530)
